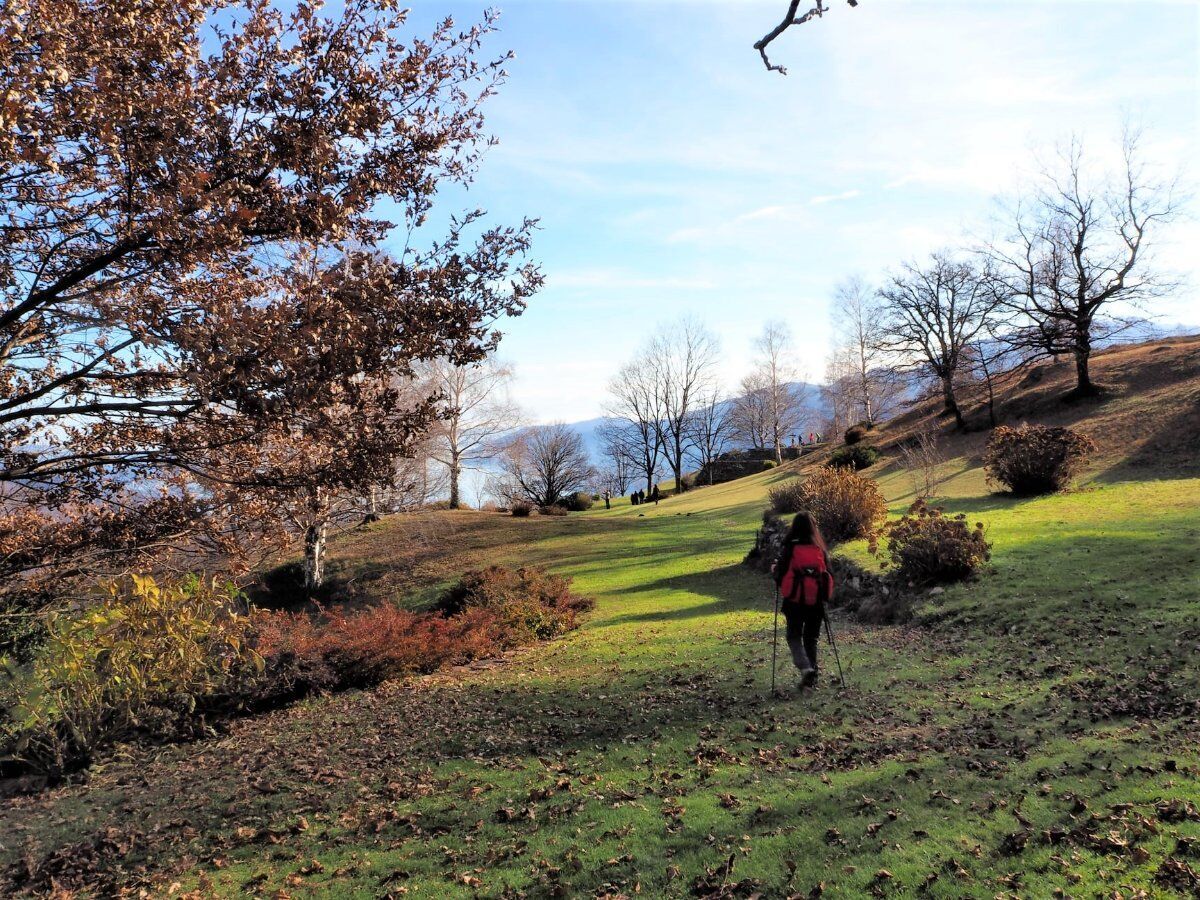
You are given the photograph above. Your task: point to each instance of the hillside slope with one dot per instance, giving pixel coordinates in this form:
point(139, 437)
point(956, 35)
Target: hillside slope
point(1036, 736)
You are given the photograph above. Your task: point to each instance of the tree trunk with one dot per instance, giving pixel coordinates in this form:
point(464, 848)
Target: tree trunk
point(314, 557)
point(372, 505)
point(455, 472)
point(950, 403)
point(1084, 387)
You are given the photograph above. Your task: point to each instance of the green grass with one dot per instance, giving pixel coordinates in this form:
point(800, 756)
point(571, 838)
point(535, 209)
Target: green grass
point(641, 753)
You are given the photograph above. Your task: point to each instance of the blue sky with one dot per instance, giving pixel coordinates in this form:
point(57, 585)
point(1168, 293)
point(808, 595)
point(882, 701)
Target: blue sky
point(674, 176)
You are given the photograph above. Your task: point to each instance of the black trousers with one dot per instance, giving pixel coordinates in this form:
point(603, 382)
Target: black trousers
point(803, 632)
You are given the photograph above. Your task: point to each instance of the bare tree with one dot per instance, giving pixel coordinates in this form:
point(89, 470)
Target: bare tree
point(779, 378)
point(750, 413)
point(683, 362)
point(635, 406)
point(545, 463)
point(931, 315)
point(924, 459)
point(709, 430)
point(858, 363)
point(1079, 247)
point(620, 446)
point(478, 415)
point(792, 17)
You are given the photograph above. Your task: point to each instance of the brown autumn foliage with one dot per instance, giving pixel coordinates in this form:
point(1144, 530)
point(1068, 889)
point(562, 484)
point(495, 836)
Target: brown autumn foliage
point(1036, 459)
point(926, 546)
point(846, 505)
point(488, 612)
point(199, 334)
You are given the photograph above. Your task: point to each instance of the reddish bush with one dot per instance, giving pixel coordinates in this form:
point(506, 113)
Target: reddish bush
point(1036, 459)
point(928, 547)
point(521, 509)
point(552, 510)
point(488, 612)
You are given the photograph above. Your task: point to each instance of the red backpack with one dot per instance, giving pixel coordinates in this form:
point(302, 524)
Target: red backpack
point(807, 580)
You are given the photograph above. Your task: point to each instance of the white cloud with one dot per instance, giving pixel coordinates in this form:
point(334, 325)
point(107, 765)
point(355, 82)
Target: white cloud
point(834, 198)
point(772, 222)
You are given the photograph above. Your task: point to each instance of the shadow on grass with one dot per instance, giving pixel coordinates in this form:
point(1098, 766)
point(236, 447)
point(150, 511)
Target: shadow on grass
point(733, 588)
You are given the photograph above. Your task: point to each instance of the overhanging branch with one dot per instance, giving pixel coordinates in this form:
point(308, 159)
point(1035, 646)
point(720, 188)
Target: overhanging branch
point(789, 20)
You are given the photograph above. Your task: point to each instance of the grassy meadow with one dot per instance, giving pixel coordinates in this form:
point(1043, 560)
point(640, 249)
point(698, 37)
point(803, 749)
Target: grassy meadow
point(1033, 734)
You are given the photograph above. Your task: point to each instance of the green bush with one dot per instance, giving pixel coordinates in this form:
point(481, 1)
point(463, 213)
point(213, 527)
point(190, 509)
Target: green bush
point(854, 434)
point(854, 457)
point(845, 505)
point(928, 547)
point(578, 502)
point(521, 509)
point(769, 464)
point(139, 659)
point(1036, 459)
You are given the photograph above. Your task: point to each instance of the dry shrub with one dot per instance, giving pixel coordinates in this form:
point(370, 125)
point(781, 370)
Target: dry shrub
point(343, 650)
point(488, 612)
point(846, 506)
point(1036, 459)
point(580, 501)
point(786, 499)
point(521, 509)
point(854, 457)
point(928, 547)
point(854, 434)
point(496, 587)
point(553, 509)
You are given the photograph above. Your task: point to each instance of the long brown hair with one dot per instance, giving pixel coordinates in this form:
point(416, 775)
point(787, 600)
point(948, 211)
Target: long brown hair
point(804, 530)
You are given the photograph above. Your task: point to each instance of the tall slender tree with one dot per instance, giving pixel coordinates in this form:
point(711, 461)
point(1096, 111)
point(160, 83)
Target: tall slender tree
point(478, 414)
point(857, 364)
point(710, 430)
point(781, 382)
point(636, 408)
point(683, 363)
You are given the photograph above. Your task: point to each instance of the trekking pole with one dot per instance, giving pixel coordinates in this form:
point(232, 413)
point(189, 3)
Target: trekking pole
point(833, 644)
point(775, 640)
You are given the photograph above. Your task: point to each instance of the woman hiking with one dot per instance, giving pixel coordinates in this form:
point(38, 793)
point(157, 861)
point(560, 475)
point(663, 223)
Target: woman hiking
point(805, 585)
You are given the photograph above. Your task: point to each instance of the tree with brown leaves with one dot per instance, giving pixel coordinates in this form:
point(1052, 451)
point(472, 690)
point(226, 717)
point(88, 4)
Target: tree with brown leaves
point(195, 317)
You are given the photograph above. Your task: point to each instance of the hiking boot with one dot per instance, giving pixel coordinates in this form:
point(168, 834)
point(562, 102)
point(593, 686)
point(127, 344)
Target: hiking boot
point(808, 678)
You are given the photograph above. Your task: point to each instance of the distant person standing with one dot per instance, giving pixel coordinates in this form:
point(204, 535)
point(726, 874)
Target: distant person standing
point(607, 504)
point(633, 499)
point(654, 495)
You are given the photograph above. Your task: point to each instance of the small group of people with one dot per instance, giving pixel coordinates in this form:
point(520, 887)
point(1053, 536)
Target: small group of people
point(637, 498)
point(801, 573)
point(814, 437)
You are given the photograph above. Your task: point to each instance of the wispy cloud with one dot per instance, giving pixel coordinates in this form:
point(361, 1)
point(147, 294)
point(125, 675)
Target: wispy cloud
point(745, 226)
point(834, 198)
